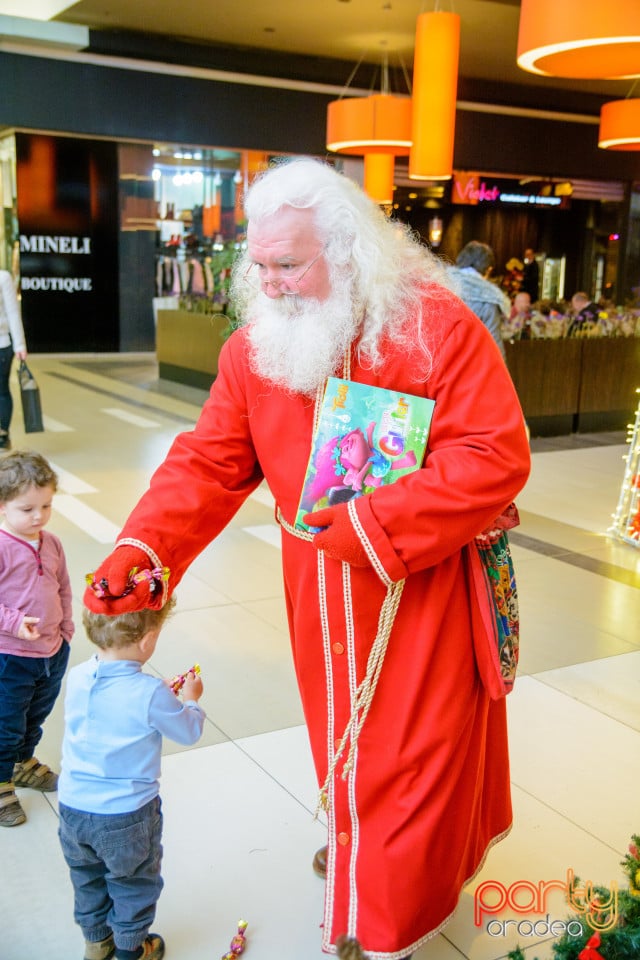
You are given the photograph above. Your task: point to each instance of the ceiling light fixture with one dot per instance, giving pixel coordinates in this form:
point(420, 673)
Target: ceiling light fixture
point(435, 231)
point(379, 169)
point(597, 39)
point(377, 128)
point(620, 125)
point(380, 123)
point(435, 81)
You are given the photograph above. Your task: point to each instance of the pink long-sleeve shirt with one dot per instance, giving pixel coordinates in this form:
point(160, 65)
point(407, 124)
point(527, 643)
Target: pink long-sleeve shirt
point(34, 582)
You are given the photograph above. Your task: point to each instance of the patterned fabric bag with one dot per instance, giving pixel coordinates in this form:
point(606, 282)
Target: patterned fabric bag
point(497, 635)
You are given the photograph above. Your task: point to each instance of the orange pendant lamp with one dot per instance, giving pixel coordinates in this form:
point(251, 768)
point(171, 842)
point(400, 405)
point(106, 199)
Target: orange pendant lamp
point(380, 123)
point(378, 176)
point(620, 125)
point(376, 127)
point(435, 82)
point(598, 39)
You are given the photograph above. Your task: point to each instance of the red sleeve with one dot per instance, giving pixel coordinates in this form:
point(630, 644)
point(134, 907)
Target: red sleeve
point(478, 457)
point(206, 476)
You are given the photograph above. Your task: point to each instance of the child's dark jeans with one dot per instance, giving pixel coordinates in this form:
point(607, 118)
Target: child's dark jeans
point(29, 687)
point(114, 861)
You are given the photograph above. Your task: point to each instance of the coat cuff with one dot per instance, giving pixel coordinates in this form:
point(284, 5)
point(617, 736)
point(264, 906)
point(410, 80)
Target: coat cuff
point(383, 558)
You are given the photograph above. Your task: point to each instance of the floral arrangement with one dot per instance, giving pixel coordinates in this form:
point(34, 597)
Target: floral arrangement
point(513, 276)
point(550, 323)
point(618, 942)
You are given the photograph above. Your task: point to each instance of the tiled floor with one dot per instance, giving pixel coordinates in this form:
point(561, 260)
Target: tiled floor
point(239, 827)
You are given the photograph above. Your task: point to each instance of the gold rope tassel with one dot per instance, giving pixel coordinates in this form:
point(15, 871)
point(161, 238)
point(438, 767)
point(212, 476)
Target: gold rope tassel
point(364, 693)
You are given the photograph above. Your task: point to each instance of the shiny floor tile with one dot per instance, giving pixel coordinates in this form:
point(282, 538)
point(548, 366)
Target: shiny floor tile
point(581, 762)
point(610, 685)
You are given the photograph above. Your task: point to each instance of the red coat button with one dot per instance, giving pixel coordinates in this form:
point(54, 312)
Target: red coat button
point(338, 647)
point(343, 839)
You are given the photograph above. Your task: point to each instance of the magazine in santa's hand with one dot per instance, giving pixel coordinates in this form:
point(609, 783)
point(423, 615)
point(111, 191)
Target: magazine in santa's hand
point(367, 437)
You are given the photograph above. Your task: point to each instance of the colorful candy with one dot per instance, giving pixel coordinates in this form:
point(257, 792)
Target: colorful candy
point(154, 577)
point(238, 943)
point(178, 681)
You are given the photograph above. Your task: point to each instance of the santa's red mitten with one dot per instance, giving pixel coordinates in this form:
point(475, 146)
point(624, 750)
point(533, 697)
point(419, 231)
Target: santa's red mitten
point(338, 539)
point(112, 589)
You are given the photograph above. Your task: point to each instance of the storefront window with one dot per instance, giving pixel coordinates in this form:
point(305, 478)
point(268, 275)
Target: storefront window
point(198, 195)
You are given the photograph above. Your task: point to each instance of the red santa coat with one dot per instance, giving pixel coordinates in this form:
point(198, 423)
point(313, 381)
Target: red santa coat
point(429, 790)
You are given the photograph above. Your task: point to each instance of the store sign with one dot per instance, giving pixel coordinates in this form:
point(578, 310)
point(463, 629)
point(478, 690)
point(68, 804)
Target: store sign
point(67, 206)
point(474, 189)
point(57, 271)
point(35, 244)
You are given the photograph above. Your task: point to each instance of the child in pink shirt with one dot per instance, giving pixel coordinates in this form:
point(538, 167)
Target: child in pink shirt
point(35, 625)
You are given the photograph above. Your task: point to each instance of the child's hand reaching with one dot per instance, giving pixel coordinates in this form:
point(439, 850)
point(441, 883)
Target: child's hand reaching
point(28, 629)
point(192, 687)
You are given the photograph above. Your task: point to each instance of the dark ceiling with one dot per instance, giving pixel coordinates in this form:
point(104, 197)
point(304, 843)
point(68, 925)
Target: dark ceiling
point(331, 42)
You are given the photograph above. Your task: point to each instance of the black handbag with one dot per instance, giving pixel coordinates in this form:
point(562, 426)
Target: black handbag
point(30, 396)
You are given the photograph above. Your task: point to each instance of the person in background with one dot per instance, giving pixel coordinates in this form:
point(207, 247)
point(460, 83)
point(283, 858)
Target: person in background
point(110, 812)
point(328, 286)
point(530, 275)
point(521, 316)
point(521, 306)
point(36, 625)
point(12, 343)
point(470, 278)
point(584, 311)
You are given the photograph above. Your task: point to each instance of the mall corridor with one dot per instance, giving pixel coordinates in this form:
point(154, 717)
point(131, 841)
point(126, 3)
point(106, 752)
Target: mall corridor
point(239, 806)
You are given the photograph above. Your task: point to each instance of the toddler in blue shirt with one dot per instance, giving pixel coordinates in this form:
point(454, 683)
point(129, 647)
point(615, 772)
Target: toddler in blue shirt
point(108, 791)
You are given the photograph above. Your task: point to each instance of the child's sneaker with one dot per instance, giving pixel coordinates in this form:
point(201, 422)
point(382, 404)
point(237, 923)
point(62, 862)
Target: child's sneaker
point(152, 948)
point(99, 949)
point(11, 813)
point(35, 775)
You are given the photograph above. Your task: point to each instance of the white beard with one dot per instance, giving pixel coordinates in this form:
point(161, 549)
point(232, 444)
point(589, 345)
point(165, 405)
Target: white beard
point(297, 343)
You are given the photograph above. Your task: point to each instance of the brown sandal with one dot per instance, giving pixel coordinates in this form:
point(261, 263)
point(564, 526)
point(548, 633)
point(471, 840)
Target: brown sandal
point(11, 813)
point(99, 949)
point(35, 776)
point(152, 947)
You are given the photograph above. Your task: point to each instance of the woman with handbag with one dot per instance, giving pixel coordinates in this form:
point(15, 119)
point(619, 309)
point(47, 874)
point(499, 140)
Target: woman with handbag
point(12, 342)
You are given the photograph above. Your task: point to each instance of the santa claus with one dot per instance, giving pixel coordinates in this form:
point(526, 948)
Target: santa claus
point(388, 626)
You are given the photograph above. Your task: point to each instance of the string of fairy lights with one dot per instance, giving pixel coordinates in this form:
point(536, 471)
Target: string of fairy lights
point(626, 519)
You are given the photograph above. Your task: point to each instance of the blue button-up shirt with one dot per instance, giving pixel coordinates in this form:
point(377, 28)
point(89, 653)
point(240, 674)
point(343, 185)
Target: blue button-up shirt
point(115, 719)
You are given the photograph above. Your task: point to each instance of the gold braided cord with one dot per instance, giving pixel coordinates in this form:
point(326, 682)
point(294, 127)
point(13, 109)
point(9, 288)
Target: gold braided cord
point(365, 692)
point(294, 531)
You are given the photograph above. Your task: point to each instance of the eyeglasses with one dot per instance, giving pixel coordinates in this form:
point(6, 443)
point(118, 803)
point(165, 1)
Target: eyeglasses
point(286, 279)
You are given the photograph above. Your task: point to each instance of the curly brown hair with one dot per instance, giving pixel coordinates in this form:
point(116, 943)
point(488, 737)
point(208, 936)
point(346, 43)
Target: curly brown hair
point(22, 469)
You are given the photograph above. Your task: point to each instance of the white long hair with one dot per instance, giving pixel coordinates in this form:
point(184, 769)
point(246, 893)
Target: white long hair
point(384, 263)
